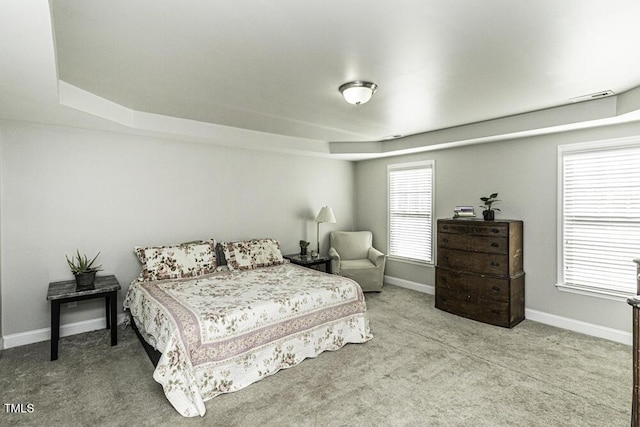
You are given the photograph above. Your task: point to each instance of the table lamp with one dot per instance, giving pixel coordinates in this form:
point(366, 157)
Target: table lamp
point(325, 215)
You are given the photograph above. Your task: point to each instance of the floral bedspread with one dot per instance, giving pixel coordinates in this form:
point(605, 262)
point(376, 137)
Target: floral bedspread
point(221, 332)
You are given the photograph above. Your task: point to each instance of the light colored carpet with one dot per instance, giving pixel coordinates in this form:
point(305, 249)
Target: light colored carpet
point(423, 367)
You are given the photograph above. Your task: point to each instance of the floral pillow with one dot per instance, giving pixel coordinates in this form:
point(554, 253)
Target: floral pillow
point(249, 254)
point(178, 261)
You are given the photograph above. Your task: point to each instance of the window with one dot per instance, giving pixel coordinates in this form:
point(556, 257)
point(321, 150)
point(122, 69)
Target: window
point(599, 218)
point(411, 211)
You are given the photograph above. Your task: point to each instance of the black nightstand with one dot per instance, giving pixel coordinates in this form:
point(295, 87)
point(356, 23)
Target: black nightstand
point(308, 261)
point(106, 287)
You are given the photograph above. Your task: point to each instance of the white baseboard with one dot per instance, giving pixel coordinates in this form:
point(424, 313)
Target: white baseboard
point(420, 287)
point(537, 316)
point(579, 326)
point(38, 335)
point(30, 337)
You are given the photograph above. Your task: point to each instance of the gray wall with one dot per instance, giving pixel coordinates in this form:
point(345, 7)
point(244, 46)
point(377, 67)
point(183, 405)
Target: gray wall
point(65, 188)
point(524, 172)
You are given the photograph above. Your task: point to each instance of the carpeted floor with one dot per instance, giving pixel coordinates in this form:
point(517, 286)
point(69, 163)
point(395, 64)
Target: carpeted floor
point(423, 367)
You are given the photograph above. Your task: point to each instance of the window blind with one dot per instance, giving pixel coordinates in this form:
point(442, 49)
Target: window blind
point(601, 219)
point(410, 212)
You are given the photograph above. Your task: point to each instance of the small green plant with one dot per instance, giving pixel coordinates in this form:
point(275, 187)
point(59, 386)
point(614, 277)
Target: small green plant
point(489, 201)
point(80, 264)
point(304, 243)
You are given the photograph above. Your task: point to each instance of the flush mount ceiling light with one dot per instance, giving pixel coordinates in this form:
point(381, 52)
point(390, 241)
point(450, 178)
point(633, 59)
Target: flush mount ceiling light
point(358, 92)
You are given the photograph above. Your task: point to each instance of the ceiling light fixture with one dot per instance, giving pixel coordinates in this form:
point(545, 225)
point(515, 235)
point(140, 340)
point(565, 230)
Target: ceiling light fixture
point(358, 92)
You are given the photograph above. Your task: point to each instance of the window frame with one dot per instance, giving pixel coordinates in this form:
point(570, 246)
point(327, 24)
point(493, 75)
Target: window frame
point(422, 164)
point(585, 147)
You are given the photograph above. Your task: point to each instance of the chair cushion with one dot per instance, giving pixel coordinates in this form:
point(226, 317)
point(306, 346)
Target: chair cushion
point(356, 264)
point(351, 244)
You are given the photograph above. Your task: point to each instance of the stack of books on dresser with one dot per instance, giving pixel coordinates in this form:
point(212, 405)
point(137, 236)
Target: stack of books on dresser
point(464, 212)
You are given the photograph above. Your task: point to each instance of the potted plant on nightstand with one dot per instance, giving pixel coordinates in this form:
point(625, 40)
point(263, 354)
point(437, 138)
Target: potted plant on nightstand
point(83, 269)
point(303, 247)
point(488, 213)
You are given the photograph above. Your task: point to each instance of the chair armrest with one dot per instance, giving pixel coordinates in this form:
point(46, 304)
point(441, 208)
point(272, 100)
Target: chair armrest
point(376, 257)
point(335, 260)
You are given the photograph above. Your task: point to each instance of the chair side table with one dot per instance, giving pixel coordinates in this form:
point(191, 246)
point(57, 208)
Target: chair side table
point(106, 287)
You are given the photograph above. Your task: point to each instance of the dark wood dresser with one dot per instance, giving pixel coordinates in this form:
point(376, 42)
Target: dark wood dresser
point(479, 272)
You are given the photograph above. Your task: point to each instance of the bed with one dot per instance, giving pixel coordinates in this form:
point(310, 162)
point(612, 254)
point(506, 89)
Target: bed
point(219, 328)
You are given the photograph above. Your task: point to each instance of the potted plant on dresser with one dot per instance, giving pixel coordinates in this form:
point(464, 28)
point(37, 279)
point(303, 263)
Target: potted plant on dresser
point(489, 212)
point(83, 269)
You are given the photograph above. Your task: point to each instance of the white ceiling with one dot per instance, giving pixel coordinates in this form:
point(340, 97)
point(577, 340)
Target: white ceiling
point(275, 66)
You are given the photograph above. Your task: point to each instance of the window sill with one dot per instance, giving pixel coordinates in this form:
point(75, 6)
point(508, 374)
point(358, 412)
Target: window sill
point(609, 294)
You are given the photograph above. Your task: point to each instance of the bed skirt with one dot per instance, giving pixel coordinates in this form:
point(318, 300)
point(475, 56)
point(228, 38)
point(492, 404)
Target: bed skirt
point(154, 355)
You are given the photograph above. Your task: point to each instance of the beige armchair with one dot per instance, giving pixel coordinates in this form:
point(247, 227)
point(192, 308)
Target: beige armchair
point(353, 256)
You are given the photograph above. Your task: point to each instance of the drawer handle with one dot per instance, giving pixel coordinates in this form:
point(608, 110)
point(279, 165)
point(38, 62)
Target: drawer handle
point(496, 312)
point(494, 245)
point(495, 264)
point(495, 289)
point(495, 230)
point(446, 227)
point(445, 240)
point(445, 257)
point(468, 297)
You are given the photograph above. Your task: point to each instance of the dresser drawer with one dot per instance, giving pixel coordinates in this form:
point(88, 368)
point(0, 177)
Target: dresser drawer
point(470, 284)
point(493, 312)
point(477, 262)
point(454, 241)
point(488, 244)
point(494, 245)
point(496, 313)
point(468, 227)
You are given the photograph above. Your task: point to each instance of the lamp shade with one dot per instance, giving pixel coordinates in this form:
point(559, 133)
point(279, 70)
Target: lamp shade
point(326, 215)
point(358, 92)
